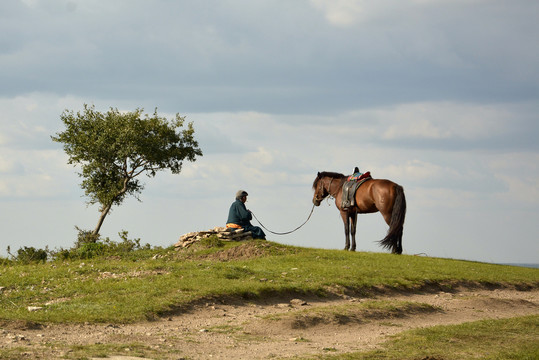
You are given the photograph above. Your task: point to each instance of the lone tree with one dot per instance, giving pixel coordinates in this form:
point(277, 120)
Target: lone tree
point(114, 148)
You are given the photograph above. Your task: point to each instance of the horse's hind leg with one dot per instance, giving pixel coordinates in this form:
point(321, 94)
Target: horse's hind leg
point(353, 227)
point(346, 222)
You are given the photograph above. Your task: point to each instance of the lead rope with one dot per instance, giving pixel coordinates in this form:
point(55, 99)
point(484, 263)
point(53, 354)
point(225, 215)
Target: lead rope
point(288, 232)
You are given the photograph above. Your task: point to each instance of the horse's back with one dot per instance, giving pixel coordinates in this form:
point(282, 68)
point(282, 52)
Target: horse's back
point(376, 195)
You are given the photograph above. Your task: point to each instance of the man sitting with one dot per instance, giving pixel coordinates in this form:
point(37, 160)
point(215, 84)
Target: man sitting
point(239, 217)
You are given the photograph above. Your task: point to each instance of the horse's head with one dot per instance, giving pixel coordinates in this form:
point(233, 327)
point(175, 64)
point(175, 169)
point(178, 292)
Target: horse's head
point(320, 192)
point(324, 185)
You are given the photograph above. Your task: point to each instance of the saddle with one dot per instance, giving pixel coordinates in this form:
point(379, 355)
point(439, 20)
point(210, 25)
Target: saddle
point(350, 187)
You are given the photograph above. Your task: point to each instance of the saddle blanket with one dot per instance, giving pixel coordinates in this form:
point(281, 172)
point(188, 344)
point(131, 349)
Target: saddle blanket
point(359, 176)
point(349, 191)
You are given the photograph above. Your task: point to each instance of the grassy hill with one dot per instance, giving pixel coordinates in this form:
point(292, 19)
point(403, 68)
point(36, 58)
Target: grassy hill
point(147, 283)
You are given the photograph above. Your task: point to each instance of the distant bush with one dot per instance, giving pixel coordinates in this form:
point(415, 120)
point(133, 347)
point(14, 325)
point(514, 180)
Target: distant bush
point(87, 246)
point(85, 237)
point(27, 255)
point(89, 251)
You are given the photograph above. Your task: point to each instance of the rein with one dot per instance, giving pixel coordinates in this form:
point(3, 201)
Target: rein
point(308, 218)
point(288, 232)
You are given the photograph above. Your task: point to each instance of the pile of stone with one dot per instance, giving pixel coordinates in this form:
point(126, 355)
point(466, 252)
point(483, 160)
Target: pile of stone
point(222, 233)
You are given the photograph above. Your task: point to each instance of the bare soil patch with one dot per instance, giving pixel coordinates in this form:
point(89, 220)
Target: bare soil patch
point(277, 327)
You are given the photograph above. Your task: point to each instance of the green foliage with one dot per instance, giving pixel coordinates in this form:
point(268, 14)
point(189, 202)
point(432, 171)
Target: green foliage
point(85, 237)
point(113, 148)
point(27, 255)
point(4, 261)
point(89, 246)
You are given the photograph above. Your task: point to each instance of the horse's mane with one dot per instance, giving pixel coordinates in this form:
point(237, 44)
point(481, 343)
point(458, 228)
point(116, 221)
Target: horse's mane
point(333, 175)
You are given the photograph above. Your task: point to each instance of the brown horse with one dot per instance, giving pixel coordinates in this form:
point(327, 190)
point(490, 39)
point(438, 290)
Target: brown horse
point(372, 196)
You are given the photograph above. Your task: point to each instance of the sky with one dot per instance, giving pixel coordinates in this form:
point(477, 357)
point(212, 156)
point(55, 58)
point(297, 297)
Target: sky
point(439, 96)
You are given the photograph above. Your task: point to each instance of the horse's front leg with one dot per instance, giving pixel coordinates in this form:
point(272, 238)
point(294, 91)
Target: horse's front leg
point(346, 222)
point(353, 227)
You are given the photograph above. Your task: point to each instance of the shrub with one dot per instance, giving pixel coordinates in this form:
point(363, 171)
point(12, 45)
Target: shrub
point(29, 255)
point(85, 237)
point(89, 250)
point(89, 246)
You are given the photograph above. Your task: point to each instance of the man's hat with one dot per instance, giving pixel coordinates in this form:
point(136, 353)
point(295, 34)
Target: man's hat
point(241, 193)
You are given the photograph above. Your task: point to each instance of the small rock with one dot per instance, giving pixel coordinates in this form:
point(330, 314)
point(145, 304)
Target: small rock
point(298, 302)
point(34, 308)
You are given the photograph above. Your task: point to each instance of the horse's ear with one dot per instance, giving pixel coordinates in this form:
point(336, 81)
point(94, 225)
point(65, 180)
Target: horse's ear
point(318, 175)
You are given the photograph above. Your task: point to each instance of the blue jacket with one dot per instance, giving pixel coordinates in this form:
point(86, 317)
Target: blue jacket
point(238, 214)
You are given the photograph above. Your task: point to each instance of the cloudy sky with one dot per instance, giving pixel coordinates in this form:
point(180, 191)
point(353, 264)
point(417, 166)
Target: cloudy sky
point(440, 96)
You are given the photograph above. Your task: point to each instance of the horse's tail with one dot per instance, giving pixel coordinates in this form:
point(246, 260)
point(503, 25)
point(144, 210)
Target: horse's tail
point(393, 239)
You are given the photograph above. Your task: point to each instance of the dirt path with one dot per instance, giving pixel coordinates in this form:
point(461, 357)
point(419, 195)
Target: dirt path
point(277, 329)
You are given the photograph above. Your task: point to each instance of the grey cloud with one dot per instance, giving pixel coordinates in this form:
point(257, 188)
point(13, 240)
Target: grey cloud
point(278, 57)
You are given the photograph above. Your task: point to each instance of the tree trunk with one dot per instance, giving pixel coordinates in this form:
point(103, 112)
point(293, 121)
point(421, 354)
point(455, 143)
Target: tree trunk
point(107, 208)
point(104, 214)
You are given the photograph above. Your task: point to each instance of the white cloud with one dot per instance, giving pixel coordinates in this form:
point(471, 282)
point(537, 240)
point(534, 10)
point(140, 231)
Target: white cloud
point(439, 199)
point(261, 158)
point(520, 171)
point(341, 12)
point(6, 164)
point(29, 120)
point(35, 174)
point(524, 191)
point(419, 171)
point(30, 3)
point(443, 120)
point(418, 128)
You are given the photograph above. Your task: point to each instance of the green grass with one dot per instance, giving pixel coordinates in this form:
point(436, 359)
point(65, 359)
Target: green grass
point(515, 338)
point(149, 283)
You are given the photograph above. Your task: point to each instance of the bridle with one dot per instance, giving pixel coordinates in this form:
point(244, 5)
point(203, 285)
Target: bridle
point(322, 188)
